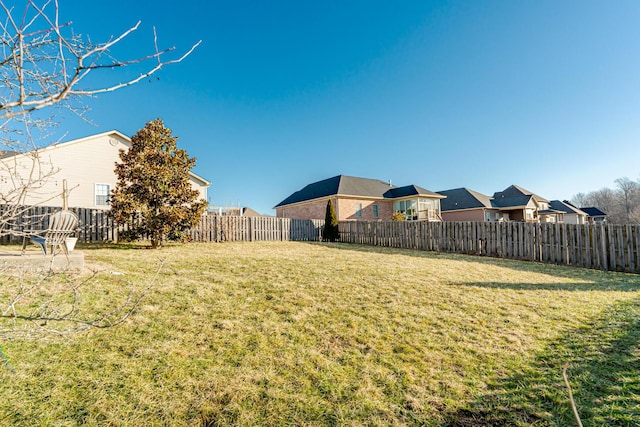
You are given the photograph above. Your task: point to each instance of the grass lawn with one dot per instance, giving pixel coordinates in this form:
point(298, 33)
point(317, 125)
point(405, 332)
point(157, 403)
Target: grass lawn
point(285, 333)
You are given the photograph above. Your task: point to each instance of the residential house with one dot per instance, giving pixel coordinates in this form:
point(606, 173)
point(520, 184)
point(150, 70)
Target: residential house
point(513, 204)
point(595, 215)
point(357, 198)
point(86, 164)
point(233, 211)
point(463, 204)
point(517, 204)
point(571, 214)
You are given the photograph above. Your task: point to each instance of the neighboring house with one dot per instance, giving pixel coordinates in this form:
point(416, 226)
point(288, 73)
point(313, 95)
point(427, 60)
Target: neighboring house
point(513, 204)
point(233, 211)
point(87, 164)
point(594, 215)
point(519, 204)
point(571, 214)
point(463, 204)
point(356, 198)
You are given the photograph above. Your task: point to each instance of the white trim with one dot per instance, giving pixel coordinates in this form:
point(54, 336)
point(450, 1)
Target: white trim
point(95, 194)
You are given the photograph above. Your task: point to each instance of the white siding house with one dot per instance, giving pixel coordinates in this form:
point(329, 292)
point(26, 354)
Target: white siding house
point(87, 164)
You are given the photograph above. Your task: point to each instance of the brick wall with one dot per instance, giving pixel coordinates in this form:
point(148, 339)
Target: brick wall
point(470, 215)
point(310, 210)
point(345, 209)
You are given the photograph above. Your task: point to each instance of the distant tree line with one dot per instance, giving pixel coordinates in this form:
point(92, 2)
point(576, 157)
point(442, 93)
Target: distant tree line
point(621, 204)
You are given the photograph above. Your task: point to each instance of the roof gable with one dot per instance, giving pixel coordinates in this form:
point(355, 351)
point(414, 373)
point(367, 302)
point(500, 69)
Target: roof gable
point(565, 207)
point(316, 190)
point(514, 191)
point(354, 186)
point(511, 202)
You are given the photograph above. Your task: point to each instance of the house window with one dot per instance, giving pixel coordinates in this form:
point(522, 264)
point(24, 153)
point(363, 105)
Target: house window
point(408, 208)
point(418, 209)
point(358, 210)
point(102, 194)
point(375, 211)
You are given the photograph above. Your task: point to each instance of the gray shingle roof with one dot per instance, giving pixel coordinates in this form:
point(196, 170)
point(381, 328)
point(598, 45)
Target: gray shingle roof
point(565, 207)
point(593, 211)
point(343, 185)
point(410, 190)
point(511, 202)
point(4, 154)
point(516, 191)
point(463, 198)
point(338, 185)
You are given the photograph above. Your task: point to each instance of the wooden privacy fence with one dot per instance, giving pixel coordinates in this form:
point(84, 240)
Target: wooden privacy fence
point(215, 228)
point(95, 225)
point(599, 246)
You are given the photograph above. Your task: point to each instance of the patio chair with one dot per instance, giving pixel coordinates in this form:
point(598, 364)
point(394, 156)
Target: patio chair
point(62, 224)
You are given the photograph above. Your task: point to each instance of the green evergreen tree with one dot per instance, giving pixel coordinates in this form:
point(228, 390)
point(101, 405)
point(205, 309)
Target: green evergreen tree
point(330, 232)
point(154, 196)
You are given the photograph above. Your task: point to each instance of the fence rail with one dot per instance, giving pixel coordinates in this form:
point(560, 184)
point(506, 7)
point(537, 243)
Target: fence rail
point(598, 246)
point(215, 228)
point(95, 225)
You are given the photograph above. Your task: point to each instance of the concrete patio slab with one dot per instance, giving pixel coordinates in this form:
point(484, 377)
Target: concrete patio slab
point(36, 260)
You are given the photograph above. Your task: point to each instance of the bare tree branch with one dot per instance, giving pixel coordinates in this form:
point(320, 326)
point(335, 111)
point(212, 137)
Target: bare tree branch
point(51, 304)
point(574, 408)
point(43, 62)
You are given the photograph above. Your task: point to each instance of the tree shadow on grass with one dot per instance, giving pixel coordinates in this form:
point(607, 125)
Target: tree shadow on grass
point(603, 357)
point(585, 279)
point(94, 246)
point(613, 286)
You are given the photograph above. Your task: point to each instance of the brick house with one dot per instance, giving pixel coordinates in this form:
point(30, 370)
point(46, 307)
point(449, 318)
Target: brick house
point(361, 199)
point(512, 204)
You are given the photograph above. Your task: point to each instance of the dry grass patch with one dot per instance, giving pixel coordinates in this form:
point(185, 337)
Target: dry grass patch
point(333, 334)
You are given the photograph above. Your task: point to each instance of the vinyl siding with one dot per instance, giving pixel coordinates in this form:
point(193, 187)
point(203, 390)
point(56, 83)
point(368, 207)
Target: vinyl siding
point(82, 163)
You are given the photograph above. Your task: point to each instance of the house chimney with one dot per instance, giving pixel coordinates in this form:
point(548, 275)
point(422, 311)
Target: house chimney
point(389, 183)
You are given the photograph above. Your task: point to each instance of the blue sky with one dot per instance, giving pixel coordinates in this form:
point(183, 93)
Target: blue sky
point(542, 94)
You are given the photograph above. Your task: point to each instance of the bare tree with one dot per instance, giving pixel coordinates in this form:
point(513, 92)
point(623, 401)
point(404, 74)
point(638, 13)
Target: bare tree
point(622, 205)
point(44, 64)
point(580, 200)
point(603, 198)
point(628, 194)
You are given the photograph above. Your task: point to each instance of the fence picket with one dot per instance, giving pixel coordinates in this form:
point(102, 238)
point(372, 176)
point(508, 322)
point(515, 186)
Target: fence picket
point(600, 246)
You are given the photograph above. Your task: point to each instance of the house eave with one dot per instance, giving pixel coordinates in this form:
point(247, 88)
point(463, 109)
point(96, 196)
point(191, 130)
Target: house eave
point(303, 202)
point(483, 208)
point(414, 196)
